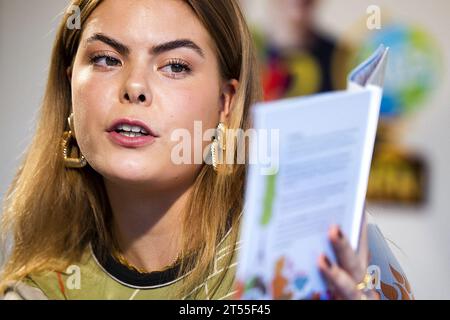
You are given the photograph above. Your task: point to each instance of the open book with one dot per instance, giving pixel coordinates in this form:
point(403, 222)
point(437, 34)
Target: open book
point(320, 154)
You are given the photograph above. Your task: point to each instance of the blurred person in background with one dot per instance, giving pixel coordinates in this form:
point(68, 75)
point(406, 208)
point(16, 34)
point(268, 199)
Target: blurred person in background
point(297, 57)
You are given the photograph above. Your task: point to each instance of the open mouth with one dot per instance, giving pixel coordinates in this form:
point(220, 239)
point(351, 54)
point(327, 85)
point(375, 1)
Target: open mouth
point(131, 130)
point(130, 133)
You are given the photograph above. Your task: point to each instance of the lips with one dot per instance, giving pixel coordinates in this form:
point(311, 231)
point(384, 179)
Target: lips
point(131, 133)
point(119, 124)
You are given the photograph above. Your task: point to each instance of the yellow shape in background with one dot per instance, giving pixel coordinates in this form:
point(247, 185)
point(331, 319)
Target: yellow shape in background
point(306, 75)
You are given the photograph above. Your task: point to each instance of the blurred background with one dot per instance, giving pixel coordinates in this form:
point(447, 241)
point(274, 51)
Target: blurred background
point(305, 47)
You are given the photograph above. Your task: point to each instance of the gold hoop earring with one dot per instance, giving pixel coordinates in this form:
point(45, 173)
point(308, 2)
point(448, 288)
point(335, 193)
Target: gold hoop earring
point(67, 137)
point(218, 146)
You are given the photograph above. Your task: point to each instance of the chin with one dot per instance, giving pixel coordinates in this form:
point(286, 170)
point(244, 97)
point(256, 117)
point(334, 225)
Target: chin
point(135, 171)
point(135, 174)
point(129, 171)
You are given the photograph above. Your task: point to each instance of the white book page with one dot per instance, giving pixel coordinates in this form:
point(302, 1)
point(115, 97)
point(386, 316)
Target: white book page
point(369, 72)
point(325, 148)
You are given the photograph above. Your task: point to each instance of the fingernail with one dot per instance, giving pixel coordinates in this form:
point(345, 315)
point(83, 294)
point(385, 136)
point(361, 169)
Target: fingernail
point(340, 235)
point(327, 262)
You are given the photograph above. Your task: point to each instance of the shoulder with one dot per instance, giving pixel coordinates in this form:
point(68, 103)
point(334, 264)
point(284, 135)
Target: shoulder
point(25, 289)
point(49, 285)
point(387, 275)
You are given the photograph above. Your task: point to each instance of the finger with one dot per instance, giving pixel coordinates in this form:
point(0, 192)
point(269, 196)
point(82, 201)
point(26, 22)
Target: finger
point(346, 256)
point(373, 294)
point(339, 281)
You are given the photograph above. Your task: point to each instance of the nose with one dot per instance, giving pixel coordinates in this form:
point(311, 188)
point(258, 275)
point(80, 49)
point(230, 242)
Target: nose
point(141, 98)
point(136, 89)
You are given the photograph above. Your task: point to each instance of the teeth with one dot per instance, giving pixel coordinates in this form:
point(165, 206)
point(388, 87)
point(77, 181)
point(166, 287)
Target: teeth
point(131, 134)
point(128, 128)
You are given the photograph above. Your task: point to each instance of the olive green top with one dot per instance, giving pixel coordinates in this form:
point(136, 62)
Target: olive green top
point(90, 279)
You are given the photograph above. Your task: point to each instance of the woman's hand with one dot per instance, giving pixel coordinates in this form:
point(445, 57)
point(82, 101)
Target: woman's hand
point(351, 267)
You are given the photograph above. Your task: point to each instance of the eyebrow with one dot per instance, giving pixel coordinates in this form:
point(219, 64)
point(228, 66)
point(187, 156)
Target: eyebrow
point(157, 49)
point(175, 44)
point(121, 48)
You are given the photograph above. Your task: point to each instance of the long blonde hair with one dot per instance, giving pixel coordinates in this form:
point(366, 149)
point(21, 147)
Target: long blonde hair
point(52, 213)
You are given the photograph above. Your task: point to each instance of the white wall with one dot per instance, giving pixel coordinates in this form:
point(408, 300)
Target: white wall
point(26, 36)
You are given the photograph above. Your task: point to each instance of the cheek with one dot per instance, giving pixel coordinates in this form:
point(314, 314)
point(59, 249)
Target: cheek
point(195, 111)
point(91, 103)
point(188, 106)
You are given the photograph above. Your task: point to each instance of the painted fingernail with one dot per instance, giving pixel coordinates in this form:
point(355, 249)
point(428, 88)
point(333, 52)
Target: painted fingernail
point(327, 261)
point(340, 235)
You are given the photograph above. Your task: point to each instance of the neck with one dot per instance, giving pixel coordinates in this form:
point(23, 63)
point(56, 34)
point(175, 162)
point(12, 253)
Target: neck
point(147, 224)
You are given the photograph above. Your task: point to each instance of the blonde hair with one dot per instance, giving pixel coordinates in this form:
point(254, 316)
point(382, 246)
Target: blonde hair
point(53, 213)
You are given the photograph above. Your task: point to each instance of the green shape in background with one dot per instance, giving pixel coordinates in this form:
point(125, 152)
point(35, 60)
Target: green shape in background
point(269, 196)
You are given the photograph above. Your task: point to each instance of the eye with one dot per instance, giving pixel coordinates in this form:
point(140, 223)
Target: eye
point(105, 60)
point(176, 68)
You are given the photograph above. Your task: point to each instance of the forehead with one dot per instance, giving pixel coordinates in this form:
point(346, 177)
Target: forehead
point(147, 22)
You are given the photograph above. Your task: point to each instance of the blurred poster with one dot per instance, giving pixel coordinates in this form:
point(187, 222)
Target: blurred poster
point(400, 175)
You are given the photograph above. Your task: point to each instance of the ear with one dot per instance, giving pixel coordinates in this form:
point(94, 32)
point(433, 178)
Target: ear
point(229, 90)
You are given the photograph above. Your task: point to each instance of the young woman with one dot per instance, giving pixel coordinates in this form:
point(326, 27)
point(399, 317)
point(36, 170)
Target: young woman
point(100, 208)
